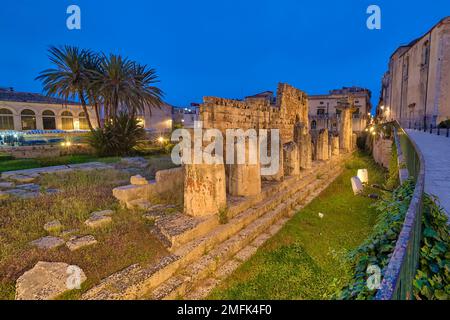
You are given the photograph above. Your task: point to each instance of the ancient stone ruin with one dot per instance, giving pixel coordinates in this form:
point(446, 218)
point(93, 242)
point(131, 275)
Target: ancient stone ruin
point(230, 209)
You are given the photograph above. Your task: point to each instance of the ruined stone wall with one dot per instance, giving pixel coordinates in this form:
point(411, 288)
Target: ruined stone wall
point(291, 107)
point(382, 151)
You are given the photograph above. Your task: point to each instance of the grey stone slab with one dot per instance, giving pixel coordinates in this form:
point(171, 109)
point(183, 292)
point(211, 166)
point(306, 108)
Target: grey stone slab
point(48, 242)
point(76, 243)
point(47, 280)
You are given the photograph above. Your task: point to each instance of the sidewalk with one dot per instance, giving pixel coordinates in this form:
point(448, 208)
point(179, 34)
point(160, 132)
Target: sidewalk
point(436, 152)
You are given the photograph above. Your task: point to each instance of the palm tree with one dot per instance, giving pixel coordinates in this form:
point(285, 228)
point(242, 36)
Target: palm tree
point(126, 86)
point(111, 82)
point(69, 79)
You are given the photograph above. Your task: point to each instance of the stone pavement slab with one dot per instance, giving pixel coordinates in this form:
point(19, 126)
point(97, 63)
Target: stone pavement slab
point(436, 151)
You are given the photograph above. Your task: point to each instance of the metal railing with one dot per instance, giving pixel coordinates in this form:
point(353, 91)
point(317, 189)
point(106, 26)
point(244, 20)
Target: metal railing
point(424, 126)
point(397, 283)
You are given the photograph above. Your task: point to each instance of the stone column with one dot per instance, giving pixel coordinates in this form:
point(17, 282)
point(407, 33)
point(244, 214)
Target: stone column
point(303, 140)
point(291, 159)
point(334, 146)
point(345, 130)
point(280, 174)
point(322, 145)
point(244, 179)
point(204, 189)
point(354, 139)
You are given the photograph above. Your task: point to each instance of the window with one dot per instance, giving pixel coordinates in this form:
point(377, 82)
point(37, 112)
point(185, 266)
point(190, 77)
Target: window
point(67, 120)
point(48, 120)
point(320, 112)
point(313, 124)
point(6, 120)
point(83, 121)
point(425, 53)
point(28, 119)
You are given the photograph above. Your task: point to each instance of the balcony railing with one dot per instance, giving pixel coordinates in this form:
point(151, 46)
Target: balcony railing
point(397, 283)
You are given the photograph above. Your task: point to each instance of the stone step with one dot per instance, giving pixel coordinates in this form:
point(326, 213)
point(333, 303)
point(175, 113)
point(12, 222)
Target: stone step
point(270, 223)
point(196, 227)
point(141, 282)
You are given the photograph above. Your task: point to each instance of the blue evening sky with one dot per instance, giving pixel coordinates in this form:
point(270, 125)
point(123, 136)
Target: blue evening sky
point(227, 48)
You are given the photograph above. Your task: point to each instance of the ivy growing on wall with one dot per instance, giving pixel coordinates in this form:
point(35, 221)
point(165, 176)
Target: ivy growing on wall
point(432, 280)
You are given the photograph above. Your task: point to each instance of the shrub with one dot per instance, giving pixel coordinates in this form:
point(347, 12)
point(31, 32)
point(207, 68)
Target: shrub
point(393, 179)
point(376, 250)
point(432, 280)
point(445, 124)
point(118, 137)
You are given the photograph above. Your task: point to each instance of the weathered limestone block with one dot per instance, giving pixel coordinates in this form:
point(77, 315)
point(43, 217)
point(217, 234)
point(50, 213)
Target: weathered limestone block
point(363, 175)
point(244, 179)
point(170, 180)
point(356, 185)
point(278, 176)
point(305, 151)
point(204, 189)
point(46, 281)
point(80, 242)
point(291, 159)
point(132, 192)
point(322, 145)
point(99, 218)
point(48, 242)
point(138, 180)
point(334, 145)
point(6, 185)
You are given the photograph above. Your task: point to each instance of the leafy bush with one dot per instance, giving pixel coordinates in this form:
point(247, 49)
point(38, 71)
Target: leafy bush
point(117, 138)
point(445, 124)
point(377, 249)
point(393, 179)
point(432, 280)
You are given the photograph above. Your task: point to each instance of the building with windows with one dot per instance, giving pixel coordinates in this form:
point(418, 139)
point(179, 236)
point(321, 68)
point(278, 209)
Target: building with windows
point(323, 112)
point(23, 111)
point(416, 88)
point(186, 116)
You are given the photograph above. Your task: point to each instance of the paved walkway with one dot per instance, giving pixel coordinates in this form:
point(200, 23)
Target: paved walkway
point(436, 151)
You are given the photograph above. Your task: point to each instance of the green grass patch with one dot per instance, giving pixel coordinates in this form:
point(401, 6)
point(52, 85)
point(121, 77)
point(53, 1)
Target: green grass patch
point(307, 258)
point(127, 240)
point(8, 164)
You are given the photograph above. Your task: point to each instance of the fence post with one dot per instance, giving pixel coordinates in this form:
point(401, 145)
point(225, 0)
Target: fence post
point(447, 131)
point(439, 131)
point(431, 128)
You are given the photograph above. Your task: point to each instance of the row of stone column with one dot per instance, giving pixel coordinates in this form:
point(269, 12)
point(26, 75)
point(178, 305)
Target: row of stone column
point(206, 185)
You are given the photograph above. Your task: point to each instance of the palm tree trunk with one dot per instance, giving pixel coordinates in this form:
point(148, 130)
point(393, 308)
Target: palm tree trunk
point(83, 105)
point(97, 114)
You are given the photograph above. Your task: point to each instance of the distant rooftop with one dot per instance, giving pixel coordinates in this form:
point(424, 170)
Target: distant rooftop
point(8, 94)
point(344, 91)
point(264, 95)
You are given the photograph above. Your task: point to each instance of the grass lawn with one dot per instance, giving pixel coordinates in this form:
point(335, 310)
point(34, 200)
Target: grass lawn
point(306, 259)
point(126, 241)
point(20, 164)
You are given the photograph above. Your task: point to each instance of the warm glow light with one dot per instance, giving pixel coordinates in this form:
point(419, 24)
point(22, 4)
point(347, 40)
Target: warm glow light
point(68, 143)
point(372, 129)
point(160, 139)
point(382, 107)
point(63, 144)
point(374, 133)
